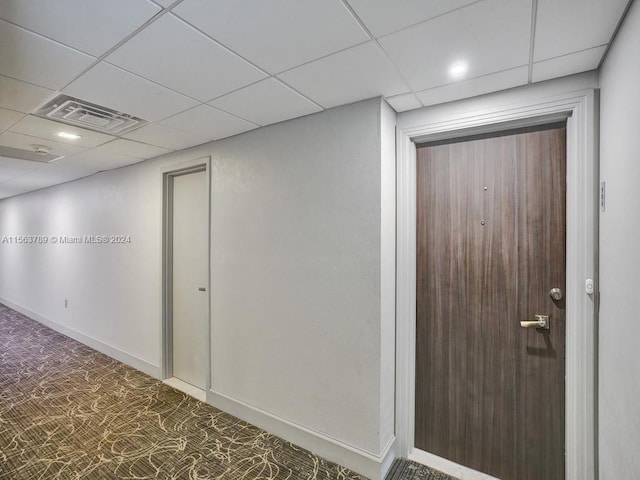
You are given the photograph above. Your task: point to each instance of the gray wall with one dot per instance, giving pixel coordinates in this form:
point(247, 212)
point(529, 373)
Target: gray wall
point(619, 391)
point(300, 321)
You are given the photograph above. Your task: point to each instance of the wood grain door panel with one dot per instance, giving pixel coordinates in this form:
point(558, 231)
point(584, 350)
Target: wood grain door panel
point(491, 244)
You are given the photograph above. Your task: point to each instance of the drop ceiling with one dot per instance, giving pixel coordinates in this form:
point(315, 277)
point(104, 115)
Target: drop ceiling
point(199, 70)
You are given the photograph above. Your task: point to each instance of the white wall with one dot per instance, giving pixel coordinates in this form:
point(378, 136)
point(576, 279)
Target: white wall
point(619, 391)
point(387, 275)
point(113, 291)
point(301, 213)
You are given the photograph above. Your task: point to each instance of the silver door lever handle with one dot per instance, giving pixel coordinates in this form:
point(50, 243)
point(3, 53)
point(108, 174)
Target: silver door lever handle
point(541, 321)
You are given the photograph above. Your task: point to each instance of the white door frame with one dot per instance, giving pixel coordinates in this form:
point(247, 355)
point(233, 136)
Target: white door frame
point(166, 330)
point(581, 308)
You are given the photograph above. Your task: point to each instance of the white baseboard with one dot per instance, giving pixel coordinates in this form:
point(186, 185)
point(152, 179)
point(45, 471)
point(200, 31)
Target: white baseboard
point(364, 463)
point(113, 352)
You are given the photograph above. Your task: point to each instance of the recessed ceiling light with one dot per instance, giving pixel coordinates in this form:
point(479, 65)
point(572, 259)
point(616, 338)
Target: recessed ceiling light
point(458, 70)
point(69, 136)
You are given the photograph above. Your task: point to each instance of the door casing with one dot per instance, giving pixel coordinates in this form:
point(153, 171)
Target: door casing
point(166, 331)
point(580, 110)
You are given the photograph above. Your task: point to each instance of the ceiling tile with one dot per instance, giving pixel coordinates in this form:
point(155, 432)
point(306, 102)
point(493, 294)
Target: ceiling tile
point(476, 86)
point(48, 129)
point(9, 118)
point(98, 159)
point(26, 142)
point(7, 173)
point(114, 88)
point(574, 25)
point(382, 16)
point(48, 175)
point(266, 102)
point(279, 34)
point(348, 76)
point(165, 3)
point(404, 102)
point(21, 96)
point(568, 64)
point(172, 53)
point(492, 35)
point(12, 167)
point(209, 122)
point(163, 136)
point(91, 26)
point(35, 59)
point(133, 149)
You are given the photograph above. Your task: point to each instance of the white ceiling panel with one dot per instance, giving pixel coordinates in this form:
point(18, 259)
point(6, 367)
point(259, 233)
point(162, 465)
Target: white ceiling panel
point(567, 64)
point(26, 142)
point(13, 167)
point(21, 96)
point(35, 59)
point(573, 25)
point(278, 34)
point(383, 16)
point(48, 129)
point(91, 26)
point(133, 149)
point(172, 53)
point(9, 118)
point(209, 122)
point(476, 86)
point(9, 169)
point(165, 3)
point(351, 75)
point(98, 159)
point(114, 88)
point(163, 136)
point(404, 102)
point(266, 102)
point(48, 175)
point(491, 36)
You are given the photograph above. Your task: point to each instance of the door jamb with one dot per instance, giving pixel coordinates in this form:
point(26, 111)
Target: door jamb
point(582, 176)
point(166, 330)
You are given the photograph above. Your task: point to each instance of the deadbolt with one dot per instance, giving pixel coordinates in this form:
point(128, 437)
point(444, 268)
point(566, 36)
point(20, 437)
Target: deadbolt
point(555, 294)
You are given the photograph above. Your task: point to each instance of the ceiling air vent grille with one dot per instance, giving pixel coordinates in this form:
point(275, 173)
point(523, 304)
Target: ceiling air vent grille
point(88, 115)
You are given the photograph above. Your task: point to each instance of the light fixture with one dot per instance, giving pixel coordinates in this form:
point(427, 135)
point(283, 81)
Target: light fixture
point(457, 70)
point(69, 136)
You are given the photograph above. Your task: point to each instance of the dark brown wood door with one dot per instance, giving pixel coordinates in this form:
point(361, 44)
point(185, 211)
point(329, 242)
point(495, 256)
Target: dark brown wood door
point(490, 247)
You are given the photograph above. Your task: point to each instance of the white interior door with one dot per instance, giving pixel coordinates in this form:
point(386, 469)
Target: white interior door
point(190, 278)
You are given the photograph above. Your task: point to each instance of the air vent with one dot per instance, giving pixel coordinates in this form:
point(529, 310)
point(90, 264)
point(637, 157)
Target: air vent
point(88, 115)
point(40, 153)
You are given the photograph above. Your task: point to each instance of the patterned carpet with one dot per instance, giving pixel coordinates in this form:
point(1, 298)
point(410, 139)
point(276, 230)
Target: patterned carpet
point(403, 469)
point(69, 412)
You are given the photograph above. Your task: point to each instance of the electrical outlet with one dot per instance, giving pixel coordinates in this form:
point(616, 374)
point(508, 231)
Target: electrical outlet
point(66, 304)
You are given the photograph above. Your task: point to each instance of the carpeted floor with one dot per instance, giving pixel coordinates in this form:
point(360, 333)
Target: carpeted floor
point(69, 412)
point(403, 469)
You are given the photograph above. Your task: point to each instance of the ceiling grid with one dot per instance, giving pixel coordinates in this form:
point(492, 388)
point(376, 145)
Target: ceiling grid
point(198, 71)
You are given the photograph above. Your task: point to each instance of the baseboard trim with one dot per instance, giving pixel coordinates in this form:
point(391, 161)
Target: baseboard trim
point(113, 352)
point(358, 460)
